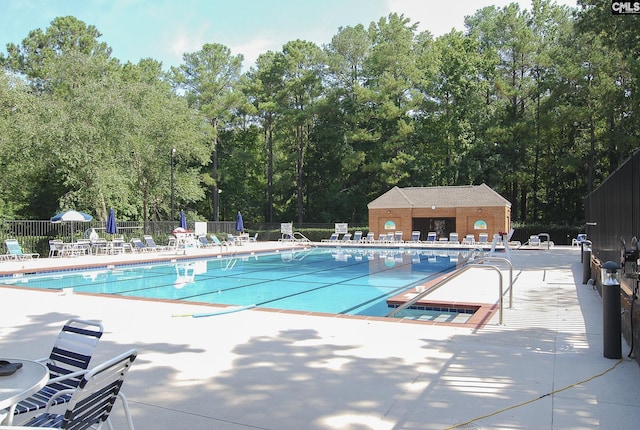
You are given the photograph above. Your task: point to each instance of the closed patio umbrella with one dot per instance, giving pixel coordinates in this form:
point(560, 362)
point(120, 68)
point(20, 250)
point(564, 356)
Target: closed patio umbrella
point(239, 223)
point(112, 227)
point(183, 220)
point(71, 216)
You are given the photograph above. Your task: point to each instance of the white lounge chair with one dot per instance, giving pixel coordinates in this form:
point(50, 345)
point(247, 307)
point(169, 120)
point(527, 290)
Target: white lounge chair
point(151, 243)
point(203, 242)
point(217, 242)
point(469, 239)
point(453, 238)
point(578, 240)
point(332, 238)
point(15, 251)
point(415, 236)
point(138, 246)
point(534, 241)
point(431, 237)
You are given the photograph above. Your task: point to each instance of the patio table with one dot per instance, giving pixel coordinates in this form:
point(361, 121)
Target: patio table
point(18, 386)
point(74, 249)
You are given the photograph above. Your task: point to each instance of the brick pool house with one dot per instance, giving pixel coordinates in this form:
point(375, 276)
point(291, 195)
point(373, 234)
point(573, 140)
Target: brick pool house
point(467, 209)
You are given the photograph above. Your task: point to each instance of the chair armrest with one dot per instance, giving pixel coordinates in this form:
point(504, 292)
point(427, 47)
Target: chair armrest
point(55, 396)
point(67, 376)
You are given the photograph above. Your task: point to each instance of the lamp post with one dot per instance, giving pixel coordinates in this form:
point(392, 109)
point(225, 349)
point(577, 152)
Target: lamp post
point(611, 326)
point(173, 180)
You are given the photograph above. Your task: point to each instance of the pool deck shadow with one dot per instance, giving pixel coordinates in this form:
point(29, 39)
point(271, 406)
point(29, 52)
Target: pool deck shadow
point(543, 368)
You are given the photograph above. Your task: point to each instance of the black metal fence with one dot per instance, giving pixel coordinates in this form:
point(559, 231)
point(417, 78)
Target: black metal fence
point(613, 211)
point(613, 216)
point(34, 236)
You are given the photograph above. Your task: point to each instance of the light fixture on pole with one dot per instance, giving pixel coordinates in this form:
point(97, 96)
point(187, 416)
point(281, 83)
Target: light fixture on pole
point(173, 181)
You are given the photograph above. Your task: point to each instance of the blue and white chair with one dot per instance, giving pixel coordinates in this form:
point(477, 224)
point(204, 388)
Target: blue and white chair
point(151, 243)
point(332, 238)
point(203, 242)
point(69, 359)
point(138, 246)
point(91, 403)
point(578, 240)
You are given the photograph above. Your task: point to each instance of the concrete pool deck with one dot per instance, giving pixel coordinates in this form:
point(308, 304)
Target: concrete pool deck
point(542, 369)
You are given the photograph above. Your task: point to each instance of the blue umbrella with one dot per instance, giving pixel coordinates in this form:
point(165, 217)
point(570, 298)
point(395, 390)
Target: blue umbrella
point(183, 220)
point(239, 222)
point(112, 228)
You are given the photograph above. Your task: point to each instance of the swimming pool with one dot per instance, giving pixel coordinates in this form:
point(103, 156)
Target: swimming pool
point(327, 280)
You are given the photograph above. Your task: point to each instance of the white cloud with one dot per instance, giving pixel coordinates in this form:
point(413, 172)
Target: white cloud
point(440, 17)
point(252, 49)
point(182, 41)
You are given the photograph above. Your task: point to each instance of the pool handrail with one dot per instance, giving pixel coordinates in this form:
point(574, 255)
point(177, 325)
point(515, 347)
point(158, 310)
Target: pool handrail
point(448, 278)
point(299, 237)
point(504, 260)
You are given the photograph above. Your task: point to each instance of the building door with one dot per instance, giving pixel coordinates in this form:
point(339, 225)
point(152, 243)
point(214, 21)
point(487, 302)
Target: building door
point(442, 226)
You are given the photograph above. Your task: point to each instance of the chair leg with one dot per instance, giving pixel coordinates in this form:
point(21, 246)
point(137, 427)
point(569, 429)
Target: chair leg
point(127, 411)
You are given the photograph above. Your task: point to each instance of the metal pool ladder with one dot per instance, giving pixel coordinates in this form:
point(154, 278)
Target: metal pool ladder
point(457, 273)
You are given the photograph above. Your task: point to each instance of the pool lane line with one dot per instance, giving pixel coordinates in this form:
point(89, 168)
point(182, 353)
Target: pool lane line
point(224, 311)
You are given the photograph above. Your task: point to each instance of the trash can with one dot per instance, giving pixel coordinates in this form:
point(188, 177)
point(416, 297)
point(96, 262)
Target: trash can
point(586, 261)
point(611, 321)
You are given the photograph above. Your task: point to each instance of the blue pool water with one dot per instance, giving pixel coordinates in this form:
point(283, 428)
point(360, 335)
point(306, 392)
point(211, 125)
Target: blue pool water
point(337, 281)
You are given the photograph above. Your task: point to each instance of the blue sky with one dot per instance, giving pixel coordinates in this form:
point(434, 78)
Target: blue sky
point(165, 29)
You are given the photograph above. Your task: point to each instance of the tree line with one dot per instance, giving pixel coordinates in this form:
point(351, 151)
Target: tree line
point(540, 104)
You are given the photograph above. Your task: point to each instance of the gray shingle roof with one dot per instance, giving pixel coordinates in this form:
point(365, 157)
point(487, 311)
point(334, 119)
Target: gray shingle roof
point(443, 197)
